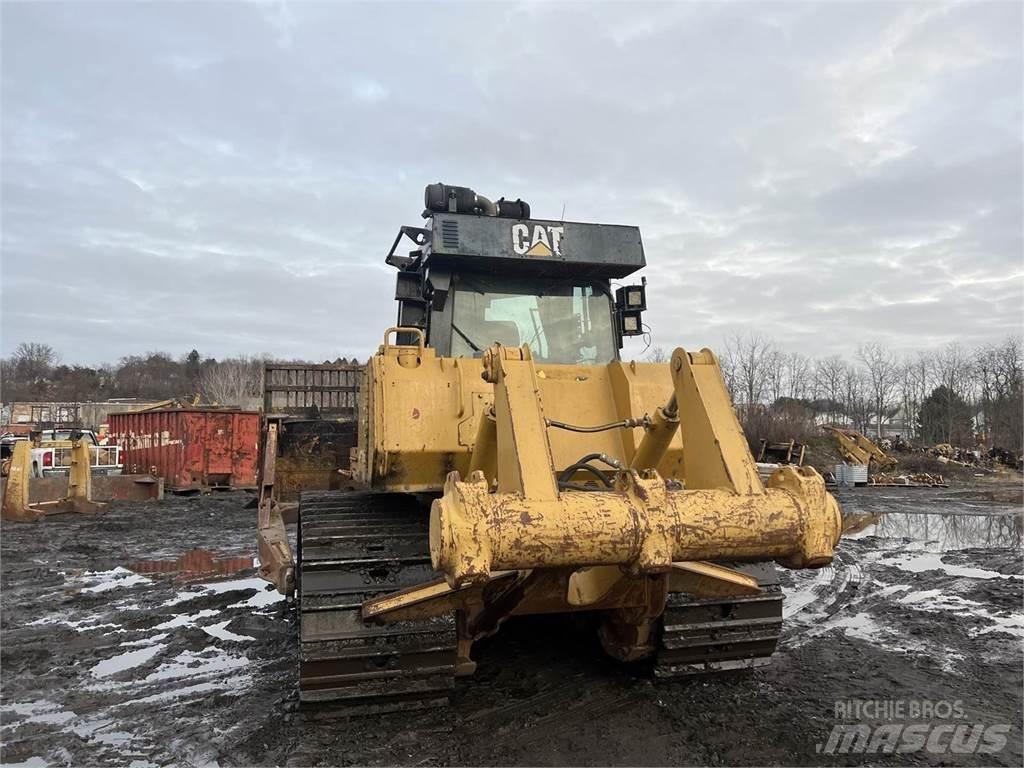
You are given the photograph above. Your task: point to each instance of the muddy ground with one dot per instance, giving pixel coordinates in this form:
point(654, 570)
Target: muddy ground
point(117, 650)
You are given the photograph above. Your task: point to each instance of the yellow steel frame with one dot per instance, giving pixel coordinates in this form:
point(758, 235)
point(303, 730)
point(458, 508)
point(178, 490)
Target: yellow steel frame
point(508, 541)
point(858, 449)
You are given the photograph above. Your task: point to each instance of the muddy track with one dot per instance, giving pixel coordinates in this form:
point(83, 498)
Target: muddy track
point(353, 547)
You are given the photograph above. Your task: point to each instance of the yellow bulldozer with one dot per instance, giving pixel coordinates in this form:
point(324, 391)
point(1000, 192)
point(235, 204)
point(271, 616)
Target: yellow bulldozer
point(508, 462)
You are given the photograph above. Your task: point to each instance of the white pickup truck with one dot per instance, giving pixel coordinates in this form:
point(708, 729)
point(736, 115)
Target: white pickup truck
point(53, 456)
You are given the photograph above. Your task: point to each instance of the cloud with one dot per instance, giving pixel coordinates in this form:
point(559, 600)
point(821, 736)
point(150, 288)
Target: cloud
point(365, 89)
point(230, 176)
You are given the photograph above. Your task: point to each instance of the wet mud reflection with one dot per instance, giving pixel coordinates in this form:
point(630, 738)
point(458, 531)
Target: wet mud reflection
point(194, 565)
point(944, 531)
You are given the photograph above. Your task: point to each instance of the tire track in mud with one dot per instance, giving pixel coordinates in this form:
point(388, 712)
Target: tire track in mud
point(485, 721)
point(893, 592)
point(565, 705)
point(817, 596)
point(570, 720)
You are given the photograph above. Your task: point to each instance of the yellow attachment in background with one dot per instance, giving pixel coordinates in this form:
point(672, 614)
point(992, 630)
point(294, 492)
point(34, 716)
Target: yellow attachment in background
point(77, 498)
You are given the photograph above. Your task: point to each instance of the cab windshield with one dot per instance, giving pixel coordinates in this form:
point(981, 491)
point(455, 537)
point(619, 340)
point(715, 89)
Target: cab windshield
point(561, 321)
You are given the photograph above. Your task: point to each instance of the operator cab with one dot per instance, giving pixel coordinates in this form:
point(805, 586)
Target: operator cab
point(486, 272)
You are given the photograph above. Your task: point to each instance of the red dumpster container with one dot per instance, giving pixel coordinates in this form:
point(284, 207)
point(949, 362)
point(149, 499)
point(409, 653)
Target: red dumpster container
point(190, 448)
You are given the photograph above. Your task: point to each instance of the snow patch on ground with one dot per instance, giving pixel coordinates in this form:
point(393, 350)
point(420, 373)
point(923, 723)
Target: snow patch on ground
point(867, 628)
point(84, 625)
point(221, 632)
point(199, 689)
point(117, 578)
point(127, 660)
point(861, 626)
point(97, 730)
point(190, 664)
point(40, 711)
point(186, 619)
point(218, 587)
point(261, 599)
point(32, 762)
point(935, 600)
point(932, 561)
point(146, 640)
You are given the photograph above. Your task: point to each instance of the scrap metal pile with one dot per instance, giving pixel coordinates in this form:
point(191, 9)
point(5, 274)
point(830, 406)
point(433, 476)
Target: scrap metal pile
point(912, 478)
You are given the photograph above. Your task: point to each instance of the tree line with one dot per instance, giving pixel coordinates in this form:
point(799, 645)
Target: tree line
point(33, 372)
point(949, 395)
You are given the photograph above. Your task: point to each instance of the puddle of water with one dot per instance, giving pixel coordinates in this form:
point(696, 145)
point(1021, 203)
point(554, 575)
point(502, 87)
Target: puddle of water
point(194, 565)
point(124, 661)
point(940, 531)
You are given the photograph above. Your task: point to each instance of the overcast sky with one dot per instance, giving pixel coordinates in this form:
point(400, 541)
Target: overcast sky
point(230, 176)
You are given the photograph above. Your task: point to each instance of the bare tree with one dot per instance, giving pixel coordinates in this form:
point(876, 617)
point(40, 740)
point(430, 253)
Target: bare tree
point(774, 365)
point(909, 405)
point(234, 381)
point(658, 355)
point(882, 378)
point(33, 361)
point(856, 403)
point(922, 379)
point(727, 364)
point(748, 361)
point(829, 373)
point(1001, 401)
point(953, 371)
point(799, 382)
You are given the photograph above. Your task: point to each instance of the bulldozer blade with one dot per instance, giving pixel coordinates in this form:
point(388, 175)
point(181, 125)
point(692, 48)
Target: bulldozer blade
point(76, 500)
point(15, 502)
point(702, 579)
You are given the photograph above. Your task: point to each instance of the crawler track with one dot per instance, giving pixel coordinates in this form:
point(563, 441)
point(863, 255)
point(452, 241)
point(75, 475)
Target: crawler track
point(707, 636)
point(353, 546)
